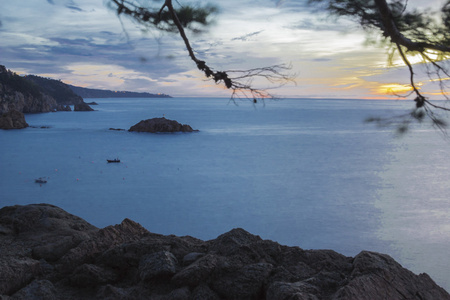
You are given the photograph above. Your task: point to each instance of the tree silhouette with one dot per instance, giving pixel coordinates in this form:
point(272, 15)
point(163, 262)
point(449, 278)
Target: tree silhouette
point(407, 33)
point(170, 19)
point(410, 34)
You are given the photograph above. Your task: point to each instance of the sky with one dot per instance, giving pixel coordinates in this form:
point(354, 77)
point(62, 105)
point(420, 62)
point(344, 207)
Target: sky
point(84, 43)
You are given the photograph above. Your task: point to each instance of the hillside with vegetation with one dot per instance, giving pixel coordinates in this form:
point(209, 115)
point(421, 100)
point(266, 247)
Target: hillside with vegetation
point(57, 89)
point(16, 93)
point(33, 94)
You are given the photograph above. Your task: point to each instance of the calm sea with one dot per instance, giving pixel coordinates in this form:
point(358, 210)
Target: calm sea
point(306, 173)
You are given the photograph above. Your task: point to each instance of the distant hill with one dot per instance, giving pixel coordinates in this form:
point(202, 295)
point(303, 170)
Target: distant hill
point(96, 93)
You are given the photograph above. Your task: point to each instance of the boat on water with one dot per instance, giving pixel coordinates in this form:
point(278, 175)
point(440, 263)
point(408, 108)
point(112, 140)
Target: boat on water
point(40, 180)
point(116, 160)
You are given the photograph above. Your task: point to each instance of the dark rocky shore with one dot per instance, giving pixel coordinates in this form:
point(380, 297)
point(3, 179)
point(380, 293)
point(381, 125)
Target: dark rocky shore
point(47, 253)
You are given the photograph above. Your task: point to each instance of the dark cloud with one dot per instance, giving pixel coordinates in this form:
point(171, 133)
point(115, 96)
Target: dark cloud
point(34, 60)
point(87, 47)
point(64, 41)
point(321, 59)
point(58, 50)
point(110, 33)
point(51, 2)
point(74, 8)
point(246, 36)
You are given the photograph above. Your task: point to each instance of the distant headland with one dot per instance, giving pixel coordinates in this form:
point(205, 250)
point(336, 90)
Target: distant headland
point(34, 94)
point(96, 93)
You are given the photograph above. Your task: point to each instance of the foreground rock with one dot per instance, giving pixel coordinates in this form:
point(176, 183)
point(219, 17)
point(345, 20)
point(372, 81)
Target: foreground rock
point(160, 125)
point(47, 253)
point(82, 107)
point(13, 119)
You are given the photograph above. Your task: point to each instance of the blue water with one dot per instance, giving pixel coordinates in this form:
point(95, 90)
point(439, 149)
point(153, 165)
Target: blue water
point(308, 173)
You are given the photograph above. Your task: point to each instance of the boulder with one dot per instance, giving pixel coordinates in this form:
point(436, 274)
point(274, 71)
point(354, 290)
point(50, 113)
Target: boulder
point(283, 290)
point(246, 283)
point(204, 292)
point(200, 271)
point(37, 290)
point(16, 273)
point(375, 273)
point(47, 253)
point(160, 125)
point(192, 257)
point(82, 107)
point(13, 119)
point(61, 107)
point(157, 265)
point(88, 275)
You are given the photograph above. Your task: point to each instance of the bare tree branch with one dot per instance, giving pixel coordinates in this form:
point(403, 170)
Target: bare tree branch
point(238, 81)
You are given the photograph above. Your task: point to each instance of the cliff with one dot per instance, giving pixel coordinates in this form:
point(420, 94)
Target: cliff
point(48, 253)
point(96, 93)
point(33, 94)
point(18, 94)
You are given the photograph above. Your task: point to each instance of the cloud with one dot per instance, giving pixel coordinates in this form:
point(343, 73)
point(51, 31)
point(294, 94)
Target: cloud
point(111, 76)
point(326, 24)
point(322, 59)
point(75, 8)
point(245, 37)
point(85, 43)
point(292, 5)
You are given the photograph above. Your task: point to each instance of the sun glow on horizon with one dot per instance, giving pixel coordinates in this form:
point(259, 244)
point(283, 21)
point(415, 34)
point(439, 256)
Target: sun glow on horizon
point(393, 89)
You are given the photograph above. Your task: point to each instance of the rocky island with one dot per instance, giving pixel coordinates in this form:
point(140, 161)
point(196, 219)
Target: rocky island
point(160, 125)
point(48, 253)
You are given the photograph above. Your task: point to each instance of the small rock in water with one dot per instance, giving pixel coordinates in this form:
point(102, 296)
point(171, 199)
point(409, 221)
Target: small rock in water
point(160, 125)
point(82, 107)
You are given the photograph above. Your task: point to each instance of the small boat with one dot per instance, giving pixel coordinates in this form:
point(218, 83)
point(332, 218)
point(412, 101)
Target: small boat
point(40, 180)
point(116, 160)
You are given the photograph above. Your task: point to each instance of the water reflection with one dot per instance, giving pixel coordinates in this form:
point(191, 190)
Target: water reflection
point(415, 205)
